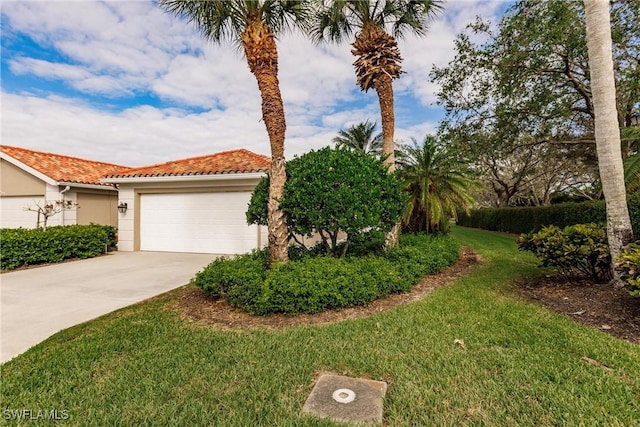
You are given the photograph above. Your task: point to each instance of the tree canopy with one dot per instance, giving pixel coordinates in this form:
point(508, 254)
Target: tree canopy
point(519, 100)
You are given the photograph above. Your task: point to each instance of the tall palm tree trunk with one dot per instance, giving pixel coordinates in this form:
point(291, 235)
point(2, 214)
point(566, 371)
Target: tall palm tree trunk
point(607, 131)
point(262, 56)
point(384, 89)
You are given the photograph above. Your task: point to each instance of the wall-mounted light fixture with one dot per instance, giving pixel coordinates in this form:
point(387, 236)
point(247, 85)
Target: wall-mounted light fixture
point(122, 207)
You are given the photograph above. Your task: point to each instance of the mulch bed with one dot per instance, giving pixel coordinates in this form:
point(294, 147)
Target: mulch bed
point(195, 305)
point(600, 306)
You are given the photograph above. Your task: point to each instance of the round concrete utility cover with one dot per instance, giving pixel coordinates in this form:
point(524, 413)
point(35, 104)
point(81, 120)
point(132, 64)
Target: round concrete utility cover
point(344, 395)
point(345, 399)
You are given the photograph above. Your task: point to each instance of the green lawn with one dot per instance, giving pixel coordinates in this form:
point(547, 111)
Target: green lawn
point(521, 366)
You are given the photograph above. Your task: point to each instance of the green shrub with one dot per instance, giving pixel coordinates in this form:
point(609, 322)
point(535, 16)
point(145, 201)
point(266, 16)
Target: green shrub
point(330, 191)
point(580, 248)
point(22, 247)
point(526, 219)
point(311, 283)
point(629, 266)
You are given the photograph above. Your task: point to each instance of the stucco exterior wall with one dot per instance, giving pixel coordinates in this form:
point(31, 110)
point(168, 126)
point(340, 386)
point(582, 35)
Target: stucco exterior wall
point(16, 182)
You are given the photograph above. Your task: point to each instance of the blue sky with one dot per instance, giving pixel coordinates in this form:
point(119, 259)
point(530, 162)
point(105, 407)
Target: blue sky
point(123, 82)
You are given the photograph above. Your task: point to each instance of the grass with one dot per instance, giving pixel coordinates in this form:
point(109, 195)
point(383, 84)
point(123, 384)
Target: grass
point(521, 365)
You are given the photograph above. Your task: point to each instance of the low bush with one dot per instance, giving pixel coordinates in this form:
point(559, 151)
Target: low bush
point(311, 283)
point(22, 247)
point(580, 248)
point(629, 266)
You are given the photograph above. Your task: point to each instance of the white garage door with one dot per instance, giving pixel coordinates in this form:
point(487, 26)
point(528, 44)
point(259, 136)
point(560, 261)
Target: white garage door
point(196, 222)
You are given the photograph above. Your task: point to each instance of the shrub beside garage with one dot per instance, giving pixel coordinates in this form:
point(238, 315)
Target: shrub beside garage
point(23, 247)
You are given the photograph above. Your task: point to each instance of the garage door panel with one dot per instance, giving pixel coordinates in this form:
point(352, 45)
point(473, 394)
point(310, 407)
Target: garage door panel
point(196, 222)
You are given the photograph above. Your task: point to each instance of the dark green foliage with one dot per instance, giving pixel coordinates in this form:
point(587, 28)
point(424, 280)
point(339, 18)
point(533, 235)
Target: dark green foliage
point(526, 219)
point(331, 191)
point(22, 247)
point(311, 283)
point(580, 248)
point(629, 266)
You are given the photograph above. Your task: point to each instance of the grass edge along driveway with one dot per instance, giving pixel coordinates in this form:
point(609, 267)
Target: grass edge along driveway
point(520, 364)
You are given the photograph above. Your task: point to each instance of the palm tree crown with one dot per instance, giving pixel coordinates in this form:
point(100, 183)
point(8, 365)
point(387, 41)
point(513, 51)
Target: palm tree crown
point(437, 183)
point(377, 25)
point(360, 137)
point(253, 26)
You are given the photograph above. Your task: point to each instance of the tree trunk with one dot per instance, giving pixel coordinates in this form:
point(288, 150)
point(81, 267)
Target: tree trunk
point(262, 57)
point(384, 88)
point(607, 132)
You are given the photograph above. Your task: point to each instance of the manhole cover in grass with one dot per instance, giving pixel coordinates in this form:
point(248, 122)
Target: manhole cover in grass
point(345, 399)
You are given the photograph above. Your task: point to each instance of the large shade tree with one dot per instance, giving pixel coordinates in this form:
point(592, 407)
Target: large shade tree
point(607, 131)
point(253, 25)
point(377, 26)
point(527, 85)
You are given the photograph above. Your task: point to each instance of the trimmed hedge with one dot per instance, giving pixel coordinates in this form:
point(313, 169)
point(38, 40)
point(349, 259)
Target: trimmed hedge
point(22, 247)
point(312, 284)
point(525, 219)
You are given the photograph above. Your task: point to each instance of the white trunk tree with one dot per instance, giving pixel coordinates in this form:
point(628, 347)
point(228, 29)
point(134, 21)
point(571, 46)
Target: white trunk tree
point(607, 131)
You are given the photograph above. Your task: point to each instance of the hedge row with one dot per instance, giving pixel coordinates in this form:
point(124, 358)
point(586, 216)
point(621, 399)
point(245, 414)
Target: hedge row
point(312, 284)
point(525, 219)
point(22, 246)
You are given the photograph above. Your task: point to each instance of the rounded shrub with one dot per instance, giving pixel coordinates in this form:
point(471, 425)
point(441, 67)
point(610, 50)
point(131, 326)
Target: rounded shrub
point(332, 191)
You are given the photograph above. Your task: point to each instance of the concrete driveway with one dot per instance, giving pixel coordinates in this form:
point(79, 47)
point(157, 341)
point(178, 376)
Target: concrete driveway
point(38, 302)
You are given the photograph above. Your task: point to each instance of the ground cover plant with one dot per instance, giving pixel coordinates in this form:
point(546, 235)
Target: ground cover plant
point(471, 353)
point(312, 281)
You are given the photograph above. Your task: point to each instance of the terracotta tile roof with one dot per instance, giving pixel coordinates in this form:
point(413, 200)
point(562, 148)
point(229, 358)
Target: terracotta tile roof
point(234, 161)
point(63, 168)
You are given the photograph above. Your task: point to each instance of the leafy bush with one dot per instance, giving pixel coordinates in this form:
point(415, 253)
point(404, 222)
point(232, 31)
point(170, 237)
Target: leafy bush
point(329, 191)
point(54, 244)
point(311, 283)
point(580, 248)
point(629, 266)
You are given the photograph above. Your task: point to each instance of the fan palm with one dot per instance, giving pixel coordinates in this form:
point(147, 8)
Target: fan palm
point(253, 26)
point(378, 56)
point(360, 137)
point(437, 183)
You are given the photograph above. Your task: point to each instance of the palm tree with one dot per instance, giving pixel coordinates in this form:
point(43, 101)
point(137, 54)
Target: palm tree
point(360, 137)
point(253, 26)
point(378, 56)
point(437, 183)
point(607, 132)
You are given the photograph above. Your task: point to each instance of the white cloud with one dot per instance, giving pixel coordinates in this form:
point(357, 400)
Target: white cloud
point(112, 49)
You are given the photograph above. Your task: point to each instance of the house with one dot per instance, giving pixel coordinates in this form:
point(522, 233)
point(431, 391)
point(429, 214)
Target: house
point(191, 205)
point(29, 178)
